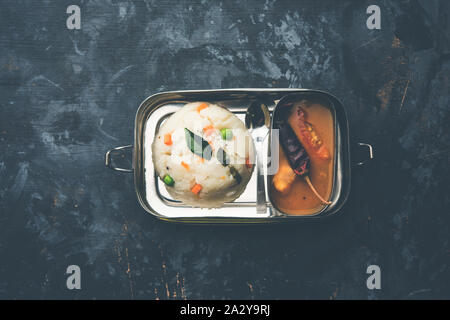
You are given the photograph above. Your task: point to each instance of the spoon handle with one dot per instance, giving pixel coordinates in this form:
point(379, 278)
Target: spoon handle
point(261, 203)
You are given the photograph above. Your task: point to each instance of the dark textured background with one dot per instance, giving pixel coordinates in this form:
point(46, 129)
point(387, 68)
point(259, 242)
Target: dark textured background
point(66, 96)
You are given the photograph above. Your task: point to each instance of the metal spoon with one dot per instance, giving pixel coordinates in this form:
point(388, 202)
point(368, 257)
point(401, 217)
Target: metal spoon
point(257, 121)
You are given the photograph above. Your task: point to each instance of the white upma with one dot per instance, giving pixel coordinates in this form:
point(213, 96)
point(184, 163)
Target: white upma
point(204, 155)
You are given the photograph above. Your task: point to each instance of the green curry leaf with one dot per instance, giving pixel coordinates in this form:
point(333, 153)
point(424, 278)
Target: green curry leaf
point(198, 145)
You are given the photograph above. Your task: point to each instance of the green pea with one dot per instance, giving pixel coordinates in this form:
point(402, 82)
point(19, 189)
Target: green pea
point(226, 134)
point(168, 180)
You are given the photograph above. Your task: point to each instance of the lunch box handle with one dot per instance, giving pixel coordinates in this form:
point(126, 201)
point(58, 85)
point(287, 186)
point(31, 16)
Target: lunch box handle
point(110, 153)
point(369, 150)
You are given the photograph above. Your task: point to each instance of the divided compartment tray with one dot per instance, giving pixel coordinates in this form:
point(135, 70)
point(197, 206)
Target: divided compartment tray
point(156, 200)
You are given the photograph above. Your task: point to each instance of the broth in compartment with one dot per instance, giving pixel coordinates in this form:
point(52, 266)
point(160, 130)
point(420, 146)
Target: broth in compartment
point(291, 194)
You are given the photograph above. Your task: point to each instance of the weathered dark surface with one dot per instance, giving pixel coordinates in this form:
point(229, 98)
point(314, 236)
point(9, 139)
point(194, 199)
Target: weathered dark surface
point(67, 96)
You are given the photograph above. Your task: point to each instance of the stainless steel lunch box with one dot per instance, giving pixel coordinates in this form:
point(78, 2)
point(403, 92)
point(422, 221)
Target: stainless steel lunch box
point(151, 192)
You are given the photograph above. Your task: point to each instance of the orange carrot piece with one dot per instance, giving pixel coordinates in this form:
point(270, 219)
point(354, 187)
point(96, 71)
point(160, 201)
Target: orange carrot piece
point(208, 127)
point(196, 188)
point(168, 139)
point(184, 164)
point(208, 130)
point(201, 160)
point(202, 106)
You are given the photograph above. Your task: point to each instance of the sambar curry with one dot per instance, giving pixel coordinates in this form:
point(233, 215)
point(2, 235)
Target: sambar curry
point(311, 125)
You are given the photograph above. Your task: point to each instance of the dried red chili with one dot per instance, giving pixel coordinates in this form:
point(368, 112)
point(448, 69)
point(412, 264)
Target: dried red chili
point(296, 154)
